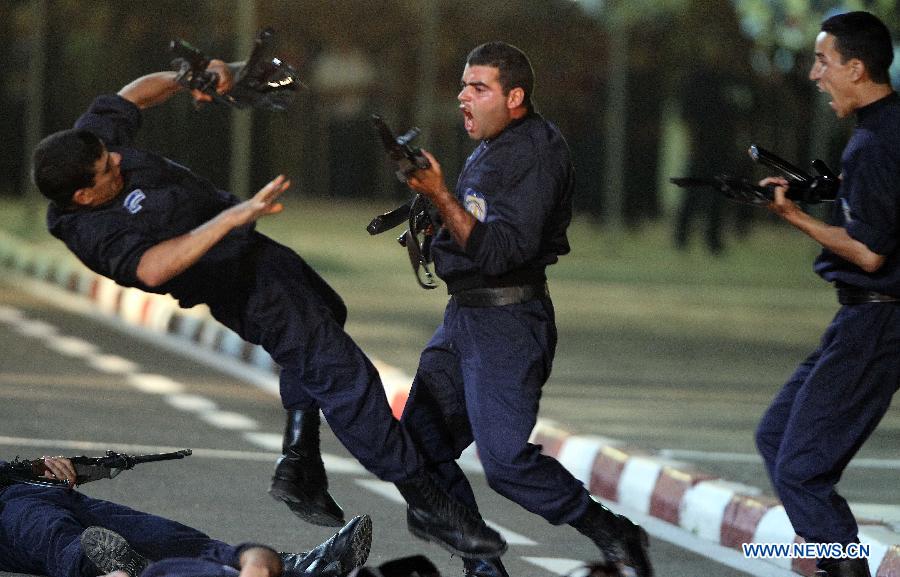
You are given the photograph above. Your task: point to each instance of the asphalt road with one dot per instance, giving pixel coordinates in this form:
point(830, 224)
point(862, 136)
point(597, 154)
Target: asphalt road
point(70, 385)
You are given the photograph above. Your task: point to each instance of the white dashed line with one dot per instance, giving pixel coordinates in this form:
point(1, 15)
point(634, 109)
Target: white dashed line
point(228, 420)
point(555, 565)
point(155, 384)
point(72, 347)
point(112, 364)
point(191, 403)
point(36, 329)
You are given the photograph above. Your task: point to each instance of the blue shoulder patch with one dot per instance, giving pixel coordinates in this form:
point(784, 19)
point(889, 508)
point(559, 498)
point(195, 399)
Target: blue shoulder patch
point(133, 201)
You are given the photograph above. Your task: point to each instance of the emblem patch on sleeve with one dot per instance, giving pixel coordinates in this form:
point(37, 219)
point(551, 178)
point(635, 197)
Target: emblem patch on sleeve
point(133, 201)
point(475, 204)
point(845, 208)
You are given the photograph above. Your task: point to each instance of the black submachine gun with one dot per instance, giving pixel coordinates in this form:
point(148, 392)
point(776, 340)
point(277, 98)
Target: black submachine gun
point(803, 187)
point(419, 214)
point(263, 81)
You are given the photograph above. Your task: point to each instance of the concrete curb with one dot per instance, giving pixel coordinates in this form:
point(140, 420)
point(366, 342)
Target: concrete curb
point(714, 509)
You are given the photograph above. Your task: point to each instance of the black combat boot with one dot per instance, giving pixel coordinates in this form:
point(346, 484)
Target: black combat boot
point(844, 568)
point(484, 568)
point(109, 552)
point(622, 543)
point(433, 515)
point(344, 551)
point(300, 480)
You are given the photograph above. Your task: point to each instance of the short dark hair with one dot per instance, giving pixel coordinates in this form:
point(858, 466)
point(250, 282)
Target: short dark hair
point(64, 162)
point(863, 36)
point(514, 68)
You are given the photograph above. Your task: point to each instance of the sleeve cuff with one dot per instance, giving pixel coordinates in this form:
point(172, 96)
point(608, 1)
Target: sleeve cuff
point(476, 239)
point(876, 241)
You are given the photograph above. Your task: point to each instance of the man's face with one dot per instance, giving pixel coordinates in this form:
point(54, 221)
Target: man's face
point(485, 108)
point(108, 181)
point(833, 76)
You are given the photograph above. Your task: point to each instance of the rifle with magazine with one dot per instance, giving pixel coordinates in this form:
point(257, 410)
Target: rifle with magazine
point(263, 81)
point(419, 214)
point(31, 472)
point(803, 187)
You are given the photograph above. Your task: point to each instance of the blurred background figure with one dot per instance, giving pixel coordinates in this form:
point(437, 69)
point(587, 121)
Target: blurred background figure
point(716, 103)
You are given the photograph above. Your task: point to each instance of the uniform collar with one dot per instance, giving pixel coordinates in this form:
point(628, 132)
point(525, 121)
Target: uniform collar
point(869, 110)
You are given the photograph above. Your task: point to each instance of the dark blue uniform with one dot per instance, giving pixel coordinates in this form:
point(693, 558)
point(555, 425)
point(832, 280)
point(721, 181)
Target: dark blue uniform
point(837, 396)
point(258, 288)
point(40, 532)
point(480, 376)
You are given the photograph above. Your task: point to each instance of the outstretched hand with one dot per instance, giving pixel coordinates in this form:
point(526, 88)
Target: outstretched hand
point(262, 203)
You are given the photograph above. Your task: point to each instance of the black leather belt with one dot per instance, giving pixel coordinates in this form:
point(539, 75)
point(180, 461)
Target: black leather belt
point(848, 295)
point(499, 296)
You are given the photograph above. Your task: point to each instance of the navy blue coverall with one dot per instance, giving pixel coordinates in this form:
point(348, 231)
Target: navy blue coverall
point(40, 532)
point(838, 395)
point(260, 289)
point(480, 377)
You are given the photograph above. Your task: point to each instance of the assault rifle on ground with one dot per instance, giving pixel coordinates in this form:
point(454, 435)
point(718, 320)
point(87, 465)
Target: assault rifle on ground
point(803, 187)
point(87, 469)
point(263, 81)
point(419, 214)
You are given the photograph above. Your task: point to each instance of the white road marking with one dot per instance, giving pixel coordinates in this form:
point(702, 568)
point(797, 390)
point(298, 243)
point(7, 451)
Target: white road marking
point(192, 403)
point(112, 364)
point(555, 565)
point(228, 420)
point(71, 347)
point(9, 314)
point(35, 328)
point(753, 458)
point(155, 384)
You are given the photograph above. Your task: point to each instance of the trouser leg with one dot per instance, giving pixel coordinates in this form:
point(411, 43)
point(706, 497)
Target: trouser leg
point(436, 418)
point(40, 533)
point(835, 410)
point(506, 354)
point(770, 431)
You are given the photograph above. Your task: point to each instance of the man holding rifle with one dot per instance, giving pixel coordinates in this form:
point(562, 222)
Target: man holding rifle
point(59, 532)
point(147, 222)
point(838, 395)
point(480, 377)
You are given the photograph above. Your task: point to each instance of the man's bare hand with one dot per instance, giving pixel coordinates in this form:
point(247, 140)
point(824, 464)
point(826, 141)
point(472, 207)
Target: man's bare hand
point(429, 181)
point(262, 204)
point(226, 80)
point(60, 468)
point(781, 204)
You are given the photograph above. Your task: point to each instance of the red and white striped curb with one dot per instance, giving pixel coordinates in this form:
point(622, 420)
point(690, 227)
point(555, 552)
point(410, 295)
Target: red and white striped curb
point(726, 513)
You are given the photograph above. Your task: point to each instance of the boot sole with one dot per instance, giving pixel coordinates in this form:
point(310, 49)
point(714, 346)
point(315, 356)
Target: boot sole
point(360, 545)
point(303, 509)
point(424, 536)
point(109, 552)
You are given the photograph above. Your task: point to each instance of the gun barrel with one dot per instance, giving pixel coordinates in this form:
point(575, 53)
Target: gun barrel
point(772, 160)
point(161, 456)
